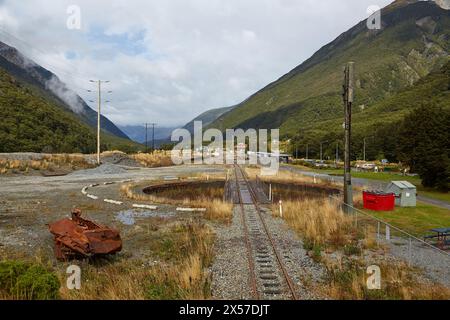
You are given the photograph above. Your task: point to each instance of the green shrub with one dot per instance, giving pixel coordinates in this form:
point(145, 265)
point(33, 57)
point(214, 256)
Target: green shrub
point(22, 280)
point(9, 272)
point(352, 249)
point(162, 289)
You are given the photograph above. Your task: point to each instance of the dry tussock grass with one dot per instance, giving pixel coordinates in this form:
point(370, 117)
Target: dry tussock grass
point(323, 225)
point(319, 221)
point(185, 276)
point(155, 159)
point(48, 162)
point(216, 208)
point(219, 210)
point(284, 176)
point(346, 280)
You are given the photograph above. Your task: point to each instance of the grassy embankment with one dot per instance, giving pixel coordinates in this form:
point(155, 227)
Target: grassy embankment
point(49, 163)
point(345, 251)
point(177, 268)
point(415, 220)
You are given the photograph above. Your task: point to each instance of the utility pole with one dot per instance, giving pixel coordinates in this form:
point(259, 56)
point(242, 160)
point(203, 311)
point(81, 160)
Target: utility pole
point(146, 140)
point(153, 136)
point(348, 101)
point(364, 148)
point(337, 153)
point(321, 144)
point(99, 103)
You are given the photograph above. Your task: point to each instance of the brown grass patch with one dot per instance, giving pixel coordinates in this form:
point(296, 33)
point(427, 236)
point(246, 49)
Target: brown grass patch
point(181, 275)
point(68, 162)
point(155, 159)
point(319, 221)
point(210, 198)
point(346, 280)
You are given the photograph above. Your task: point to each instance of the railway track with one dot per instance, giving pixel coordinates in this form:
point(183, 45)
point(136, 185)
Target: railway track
point(269, 278)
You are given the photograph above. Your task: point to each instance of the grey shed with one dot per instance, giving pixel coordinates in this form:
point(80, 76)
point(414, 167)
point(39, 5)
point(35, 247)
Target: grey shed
point(405, 193)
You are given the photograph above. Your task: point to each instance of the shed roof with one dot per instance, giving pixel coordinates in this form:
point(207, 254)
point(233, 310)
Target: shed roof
point(404, 184)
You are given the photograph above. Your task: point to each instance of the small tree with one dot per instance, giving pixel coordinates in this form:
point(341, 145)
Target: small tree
point(423, 144)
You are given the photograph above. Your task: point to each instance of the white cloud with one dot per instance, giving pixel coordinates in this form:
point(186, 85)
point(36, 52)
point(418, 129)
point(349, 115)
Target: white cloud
point(168, 61)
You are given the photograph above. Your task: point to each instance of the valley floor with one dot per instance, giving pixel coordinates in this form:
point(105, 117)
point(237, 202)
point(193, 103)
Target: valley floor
point(163, 250)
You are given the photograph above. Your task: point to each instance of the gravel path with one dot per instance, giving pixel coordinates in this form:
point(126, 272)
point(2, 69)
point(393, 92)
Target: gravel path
point(434, 264)
point(230, 273)
point(299, 265)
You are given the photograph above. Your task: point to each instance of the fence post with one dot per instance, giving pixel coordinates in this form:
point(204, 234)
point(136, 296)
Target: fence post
point(281, 209)
point(388, 233)
point(410, 251)
point(270, 192)
point(378, 231)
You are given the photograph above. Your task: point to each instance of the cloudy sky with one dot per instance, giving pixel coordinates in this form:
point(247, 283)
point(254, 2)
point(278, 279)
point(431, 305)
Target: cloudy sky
point(169, 60)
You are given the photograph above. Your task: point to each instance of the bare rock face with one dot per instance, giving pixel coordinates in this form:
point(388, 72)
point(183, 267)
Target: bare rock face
point(427, 24)
point(444, 4)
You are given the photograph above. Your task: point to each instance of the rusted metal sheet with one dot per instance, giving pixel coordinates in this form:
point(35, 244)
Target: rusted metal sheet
point(78, 237)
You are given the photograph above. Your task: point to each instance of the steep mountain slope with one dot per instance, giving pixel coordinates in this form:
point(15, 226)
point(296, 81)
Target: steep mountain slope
point(379, 124)
point(208, 117)
point(414, 40)
point(31, 122)
point(25, 70)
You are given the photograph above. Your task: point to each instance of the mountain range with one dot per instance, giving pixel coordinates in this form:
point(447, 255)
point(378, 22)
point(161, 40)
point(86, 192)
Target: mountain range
point(402, 64)
point(29, 92)
point(413, 41)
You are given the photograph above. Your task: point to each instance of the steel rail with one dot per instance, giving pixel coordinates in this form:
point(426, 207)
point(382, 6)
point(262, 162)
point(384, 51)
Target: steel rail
point(272, 242)
point(251, 263)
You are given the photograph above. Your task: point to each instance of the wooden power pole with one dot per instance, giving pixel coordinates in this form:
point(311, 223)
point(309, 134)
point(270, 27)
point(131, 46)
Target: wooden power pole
point(348, 101)
point(99, 104)
point(146, 139)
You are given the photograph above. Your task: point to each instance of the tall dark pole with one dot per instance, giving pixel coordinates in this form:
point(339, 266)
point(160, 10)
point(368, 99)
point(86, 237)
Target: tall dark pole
point(321, 153)
point(348, 101)
point(337, 153)
point(153, 136)
point(146, 143)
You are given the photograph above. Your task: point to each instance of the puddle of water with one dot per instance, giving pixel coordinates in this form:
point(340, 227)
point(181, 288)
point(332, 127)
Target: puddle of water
point(128, 217)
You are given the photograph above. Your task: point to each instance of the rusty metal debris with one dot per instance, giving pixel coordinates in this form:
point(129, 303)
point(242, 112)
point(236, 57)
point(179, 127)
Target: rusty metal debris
point(78, 237)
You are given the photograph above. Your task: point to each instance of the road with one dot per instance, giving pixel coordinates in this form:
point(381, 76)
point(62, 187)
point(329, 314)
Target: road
point(366, 183)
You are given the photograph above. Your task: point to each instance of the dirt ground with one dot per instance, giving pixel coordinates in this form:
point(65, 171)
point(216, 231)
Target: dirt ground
point(29, 203)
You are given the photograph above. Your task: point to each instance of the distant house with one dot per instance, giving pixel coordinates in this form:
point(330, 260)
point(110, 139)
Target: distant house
point(405, 193)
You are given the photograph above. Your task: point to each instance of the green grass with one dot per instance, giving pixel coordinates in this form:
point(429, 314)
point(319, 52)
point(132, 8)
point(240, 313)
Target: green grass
point(21, 280)
point(386, 177)
point(442, 196)
point(416, 220)
point(382, 176)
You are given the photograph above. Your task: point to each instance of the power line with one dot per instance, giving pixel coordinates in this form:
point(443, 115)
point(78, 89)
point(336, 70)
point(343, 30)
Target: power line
point(153, 135)
point(99, 102)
